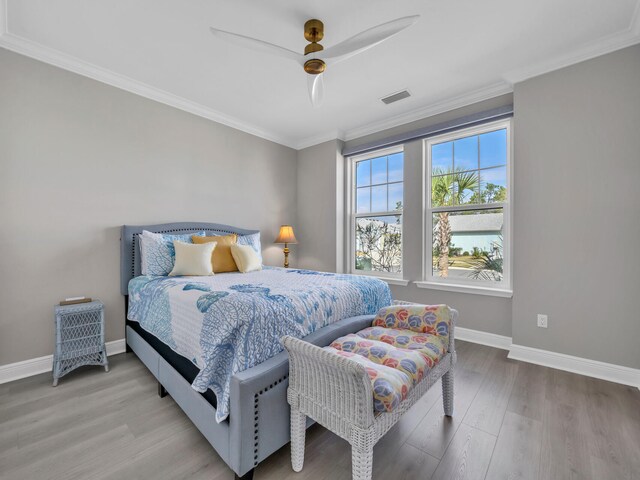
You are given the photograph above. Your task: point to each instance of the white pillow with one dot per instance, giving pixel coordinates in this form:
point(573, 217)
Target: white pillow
point(193, 258)
point(253, 241)
point(246, 258)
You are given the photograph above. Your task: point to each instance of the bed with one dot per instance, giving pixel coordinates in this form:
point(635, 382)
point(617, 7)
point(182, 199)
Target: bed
point(213, 342)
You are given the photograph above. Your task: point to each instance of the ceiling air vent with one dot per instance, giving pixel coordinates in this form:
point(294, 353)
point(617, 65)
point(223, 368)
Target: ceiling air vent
point(394, 97)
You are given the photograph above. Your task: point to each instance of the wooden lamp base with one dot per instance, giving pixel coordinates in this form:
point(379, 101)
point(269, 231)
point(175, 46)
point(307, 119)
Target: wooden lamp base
point(286, 256)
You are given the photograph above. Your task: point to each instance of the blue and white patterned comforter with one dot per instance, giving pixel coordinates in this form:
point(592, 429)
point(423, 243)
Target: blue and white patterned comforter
point(230, 322)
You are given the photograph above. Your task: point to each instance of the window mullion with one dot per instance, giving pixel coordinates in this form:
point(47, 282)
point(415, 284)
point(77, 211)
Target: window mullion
point(378, 214)
point(370, 183)
point(387, 184)
point(453, 169)
point(468, 207)
point(479, 177)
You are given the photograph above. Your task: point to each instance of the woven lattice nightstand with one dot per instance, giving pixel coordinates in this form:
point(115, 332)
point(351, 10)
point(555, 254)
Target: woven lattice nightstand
point(79, 338)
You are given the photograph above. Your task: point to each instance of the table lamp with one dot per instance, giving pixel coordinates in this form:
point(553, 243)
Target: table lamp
point(286, 236)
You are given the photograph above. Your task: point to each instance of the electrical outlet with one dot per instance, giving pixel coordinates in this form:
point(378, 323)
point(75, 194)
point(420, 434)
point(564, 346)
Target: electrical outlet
point(542, 320)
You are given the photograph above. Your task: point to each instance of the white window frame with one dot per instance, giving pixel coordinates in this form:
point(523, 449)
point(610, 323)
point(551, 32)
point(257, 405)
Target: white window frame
point(483, 287)
point(352, 215)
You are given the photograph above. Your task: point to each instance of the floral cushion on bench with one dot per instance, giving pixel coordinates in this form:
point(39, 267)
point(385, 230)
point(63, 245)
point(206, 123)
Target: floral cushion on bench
point(410, 362)
point(390, 386)
point(398, 350)
point(432, 319)
point(432, 347)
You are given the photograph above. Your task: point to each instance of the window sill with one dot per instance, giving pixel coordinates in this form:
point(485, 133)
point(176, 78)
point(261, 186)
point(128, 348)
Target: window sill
point(493, 292)
point(390, 280)
point(394, 281)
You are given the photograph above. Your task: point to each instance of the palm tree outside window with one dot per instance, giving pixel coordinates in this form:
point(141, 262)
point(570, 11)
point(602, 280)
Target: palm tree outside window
point(467, 177)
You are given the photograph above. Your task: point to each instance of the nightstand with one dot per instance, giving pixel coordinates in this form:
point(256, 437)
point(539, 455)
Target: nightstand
point(79, 338)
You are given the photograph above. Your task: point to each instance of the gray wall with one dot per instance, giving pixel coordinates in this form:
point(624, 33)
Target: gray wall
point(319, 226)
point(79, 158)
point(577, 209)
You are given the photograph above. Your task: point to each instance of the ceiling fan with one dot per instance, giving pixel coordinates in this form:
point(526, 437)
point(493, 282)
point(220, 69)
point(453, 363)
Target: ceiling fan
point(316, 59)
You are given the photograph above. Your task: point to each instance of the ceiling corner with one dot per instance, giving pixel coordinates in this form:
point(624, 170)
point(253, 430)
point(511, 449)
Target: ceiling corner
point(318, 139)
point(635, 20)
point(602, 46)
point(3, 17)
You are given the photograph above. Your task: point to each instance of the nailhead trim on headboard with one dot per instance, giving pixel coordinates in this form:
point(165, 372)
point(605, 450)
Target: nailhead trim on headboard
point(133, 254)
point(256, 405)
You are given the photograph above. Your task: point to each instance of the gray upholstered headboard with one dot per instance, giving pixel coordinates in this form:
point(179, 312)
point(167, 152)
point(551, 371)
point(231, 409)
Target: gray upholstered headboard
point(130, 250)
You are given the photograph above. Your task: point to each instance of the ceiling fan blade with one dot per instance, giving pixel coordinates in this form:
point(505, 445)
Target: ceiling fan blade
point(316, 89)
point(367, 39)
point(258, 45)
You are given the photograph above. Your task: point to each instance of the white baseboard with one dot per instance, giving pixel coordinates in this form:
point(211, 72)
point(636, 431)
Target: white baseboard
point(582, 366)
point(34, 366)
point(116, 346)
point(560, 361)
point(483, 338)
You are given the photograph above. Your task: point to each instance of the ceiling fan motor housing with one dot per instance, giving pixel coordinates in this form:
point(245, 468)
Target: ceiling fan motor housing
point(314, 32)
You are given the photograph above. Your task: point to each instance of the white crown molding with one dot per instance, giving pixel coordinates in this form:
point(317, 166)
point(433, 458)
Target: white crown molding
point(318, 139)
point(601, 46)
point(35, 366)
point(449, 104)
point(67, 62)
point(582, 366)
point(446, 105)
point(482, 338)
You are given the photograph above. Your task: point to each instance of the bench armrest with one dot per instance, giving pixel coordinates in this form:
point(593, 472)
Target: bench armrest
point(331, 389)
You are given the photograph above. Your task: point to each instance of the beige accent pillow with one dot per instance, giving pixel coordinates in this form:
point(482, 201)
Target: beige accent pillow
point(246, 258)
point(221, 259)
point(192, 259)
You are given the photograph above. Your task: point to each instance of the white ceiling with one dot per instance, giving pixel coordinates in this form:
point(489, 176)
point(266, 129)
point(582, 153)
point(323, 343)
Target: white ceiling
point(460, 51)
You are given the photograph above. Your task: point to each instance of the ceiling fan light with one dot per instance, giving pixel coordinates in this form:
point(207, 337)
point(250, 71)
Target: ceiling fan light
point(314, 66)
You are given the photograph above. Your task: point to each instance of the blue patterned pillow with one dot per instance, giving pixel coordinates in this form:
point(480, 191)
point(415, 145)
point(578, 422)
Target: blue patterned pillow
point(253, 241)
point(157, 253)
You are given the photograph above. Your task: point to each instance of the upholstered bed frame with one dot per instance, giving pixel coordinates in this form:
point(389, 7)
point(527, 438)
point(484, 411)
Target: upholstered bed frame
point(258, 422)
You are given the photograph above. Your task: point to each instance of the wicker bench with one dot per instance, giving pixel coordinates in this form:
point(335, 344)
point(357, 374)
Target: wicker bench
point(337, 392)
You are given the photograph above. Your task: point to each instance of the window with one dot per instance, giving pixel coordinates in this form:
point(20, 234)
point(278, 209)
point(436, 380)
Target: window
point(467, 213)
point(377, 196)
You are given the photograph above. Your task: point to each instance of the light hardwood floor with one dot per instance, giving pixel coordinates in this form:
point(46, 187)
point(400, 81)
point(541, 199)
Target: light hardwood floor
point(512, 420)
